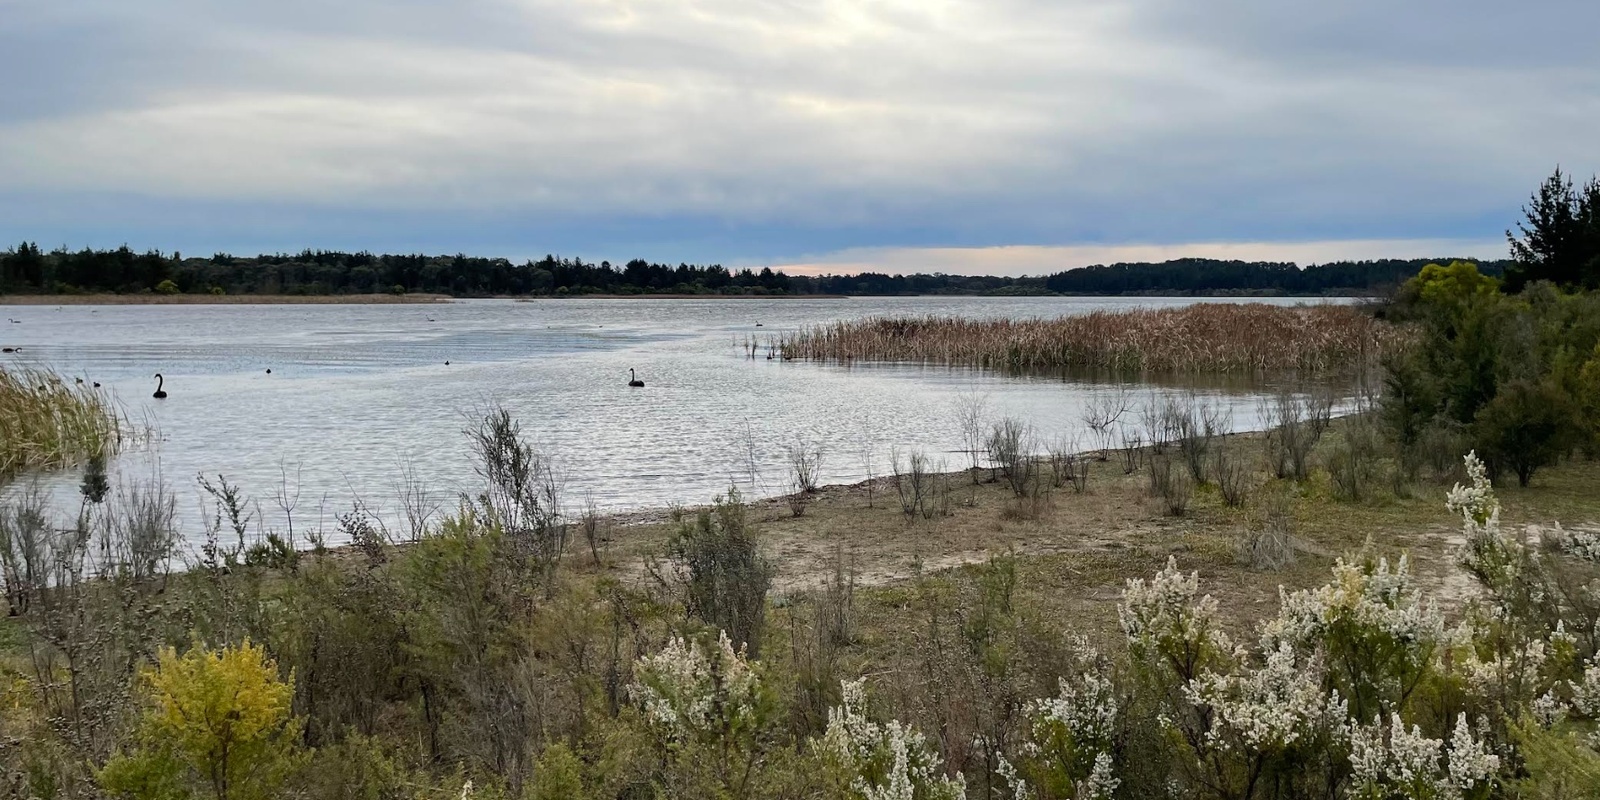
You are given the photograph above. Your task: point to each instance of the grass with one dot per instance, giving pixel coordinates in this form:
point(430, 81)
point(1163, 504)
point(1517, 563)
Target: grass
point(1205, 337)
point(48, 422)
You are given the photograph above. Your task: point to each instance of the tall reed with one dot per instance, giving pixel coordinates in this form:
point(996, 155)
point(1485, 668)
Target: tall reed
point(1204, 337)
point(48, 422)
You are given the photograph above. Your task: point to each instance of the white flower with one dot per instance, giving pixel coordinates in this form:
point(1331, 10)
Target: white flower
point(686, 690)
point(1549, 709)
point(898, 753)
point(1381, 599)
point(1586, 691)
point(1163, 615)
point(1406, 763)
point(1102, 784)
point(1470, 762)
point(1272, 707)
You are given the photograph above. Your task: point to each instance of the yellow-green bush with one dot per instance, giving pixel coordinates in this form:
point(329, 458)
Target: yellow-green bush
point(218, 724)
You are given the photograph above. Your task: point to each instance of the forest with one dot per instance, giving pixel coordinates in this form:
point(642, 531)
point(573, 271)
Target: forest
point(27, 270)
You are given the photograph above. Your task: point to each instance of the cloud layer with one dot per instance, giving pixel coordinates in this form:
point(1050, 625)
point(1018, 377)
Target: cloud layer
point(751, 131)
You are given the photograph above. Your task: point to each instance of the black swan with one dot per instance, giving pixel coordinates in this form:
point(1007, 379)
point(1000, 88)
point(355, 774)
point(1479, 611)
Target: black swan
point(160, 394)
point(633, 381)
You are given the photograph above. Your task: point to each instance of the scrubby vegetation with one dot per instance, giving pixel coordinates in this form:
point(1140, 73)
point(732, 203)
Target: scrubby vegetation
point(1206, 337)
point(1516, 376)
point(459, 664)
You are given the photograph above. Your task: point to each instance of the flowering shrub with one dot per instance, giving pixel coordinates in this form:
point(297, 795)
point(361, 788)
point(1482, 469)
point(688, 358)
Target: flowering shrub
point(1392, 763)
point(689, 692)
point(218, 723)
point(1371, 625)
point(1270, 708)
point(885, 761)
point(1165, 623)
point(1499, 561)
point(1073, 736)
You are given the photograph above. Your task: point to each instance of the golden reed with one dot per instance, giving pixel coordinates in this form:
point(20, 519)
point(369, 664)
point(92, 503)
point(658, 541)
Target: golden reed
point(1204, 337)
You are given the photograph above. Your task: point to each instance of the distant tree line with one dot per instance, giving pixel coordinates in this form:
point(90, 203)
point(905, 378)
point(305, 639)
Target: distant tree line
point(26, 269)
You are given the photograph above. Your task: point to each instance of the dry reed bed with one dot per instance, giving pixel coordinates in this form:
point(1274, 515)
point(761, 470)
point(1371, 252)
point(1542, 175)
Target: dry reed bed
point(47, 422)
point(1205, 337)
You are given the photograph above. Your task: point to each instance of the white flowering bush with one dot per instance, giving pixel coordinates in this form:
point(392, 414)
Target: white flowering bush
point(882, 761)
point(1496, 557)
point(1166, 624)
point(690, 692)
point(1391, 762)
point(1272, 708)
point(1372, 626)
point(1073, 736)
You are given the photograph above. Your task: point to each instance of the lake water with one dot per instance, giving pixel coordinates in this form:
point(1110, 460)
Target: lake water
point(361, 394)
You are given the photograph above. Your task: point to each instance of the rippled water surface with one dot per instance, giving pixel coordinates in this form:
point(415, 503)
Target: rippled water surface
point(360, 393)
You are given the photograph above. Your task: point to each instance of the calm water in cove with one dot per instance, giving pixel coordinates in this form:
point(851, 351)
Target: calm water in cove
point(358, 394)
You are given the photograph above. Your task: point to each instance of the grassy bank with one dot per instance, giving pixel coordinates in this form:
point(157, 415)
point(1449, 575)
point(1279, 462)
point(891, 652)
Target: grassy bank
point(1205, 337)
point(215, 299)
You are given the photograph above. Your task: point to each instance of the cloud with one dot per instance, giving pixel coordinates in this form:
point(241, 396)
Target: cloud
point(768, 129)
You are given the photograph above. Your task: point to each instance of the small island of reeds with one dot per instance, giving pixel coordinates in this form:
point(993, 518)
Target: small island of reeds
point(47, 422)
point(1210, 337)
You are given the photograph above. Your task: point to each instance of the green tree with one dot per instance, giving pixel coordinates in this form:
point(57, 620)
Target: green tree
point(1559, 237)
point(1526, 426)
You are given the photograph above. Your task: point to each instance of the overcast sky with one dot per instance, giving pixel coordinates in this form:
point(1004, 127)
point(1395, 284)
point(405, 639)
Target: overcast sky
point(1006, 136)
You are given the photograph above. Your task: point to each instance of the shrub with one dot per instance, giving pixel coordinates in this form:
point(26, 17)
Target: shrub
point(1169, 483)
point(724, 577)
point(218, 723)
point(1352, 460)
point(868, 759)
point(1295, 423)
point(1230, 473)
point(1198, 424)
point(1010, 447)
point(1526, 426)
point(167, 287)
point(920, 485)
point(522, 492)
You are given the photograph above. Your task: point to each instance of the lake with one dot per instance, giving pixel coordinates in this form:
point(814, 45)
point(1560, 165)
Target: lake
point(360, 395)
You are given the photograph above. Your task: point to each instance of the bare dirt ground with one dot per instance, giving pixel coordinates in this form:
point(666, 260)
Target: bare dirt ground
point(1077, 549)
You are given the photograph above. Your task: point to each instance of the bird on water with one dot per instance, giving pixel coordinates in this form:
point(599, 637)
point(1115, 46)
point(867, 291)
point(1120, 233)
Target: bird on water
point(633, 380)
point(161, 394)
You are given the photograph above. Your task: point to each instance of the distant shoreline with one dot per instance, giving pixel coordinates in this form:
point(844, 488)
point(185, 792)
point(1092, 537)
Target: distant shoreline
point(425, 299)
point(217, 299)
point(532, 298)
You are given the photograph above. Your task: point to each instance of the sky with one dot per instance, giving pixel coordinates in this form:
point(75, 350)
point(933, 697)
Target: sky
point(965, 136)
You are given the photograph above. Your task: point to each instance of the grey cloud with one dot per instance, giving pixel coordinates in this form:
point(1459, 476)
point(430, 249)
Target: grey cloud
point(971, 121)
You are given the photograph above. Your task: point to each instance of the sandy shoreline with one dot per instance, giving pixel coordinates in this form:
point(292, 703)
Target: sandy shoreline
point(216, 299)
